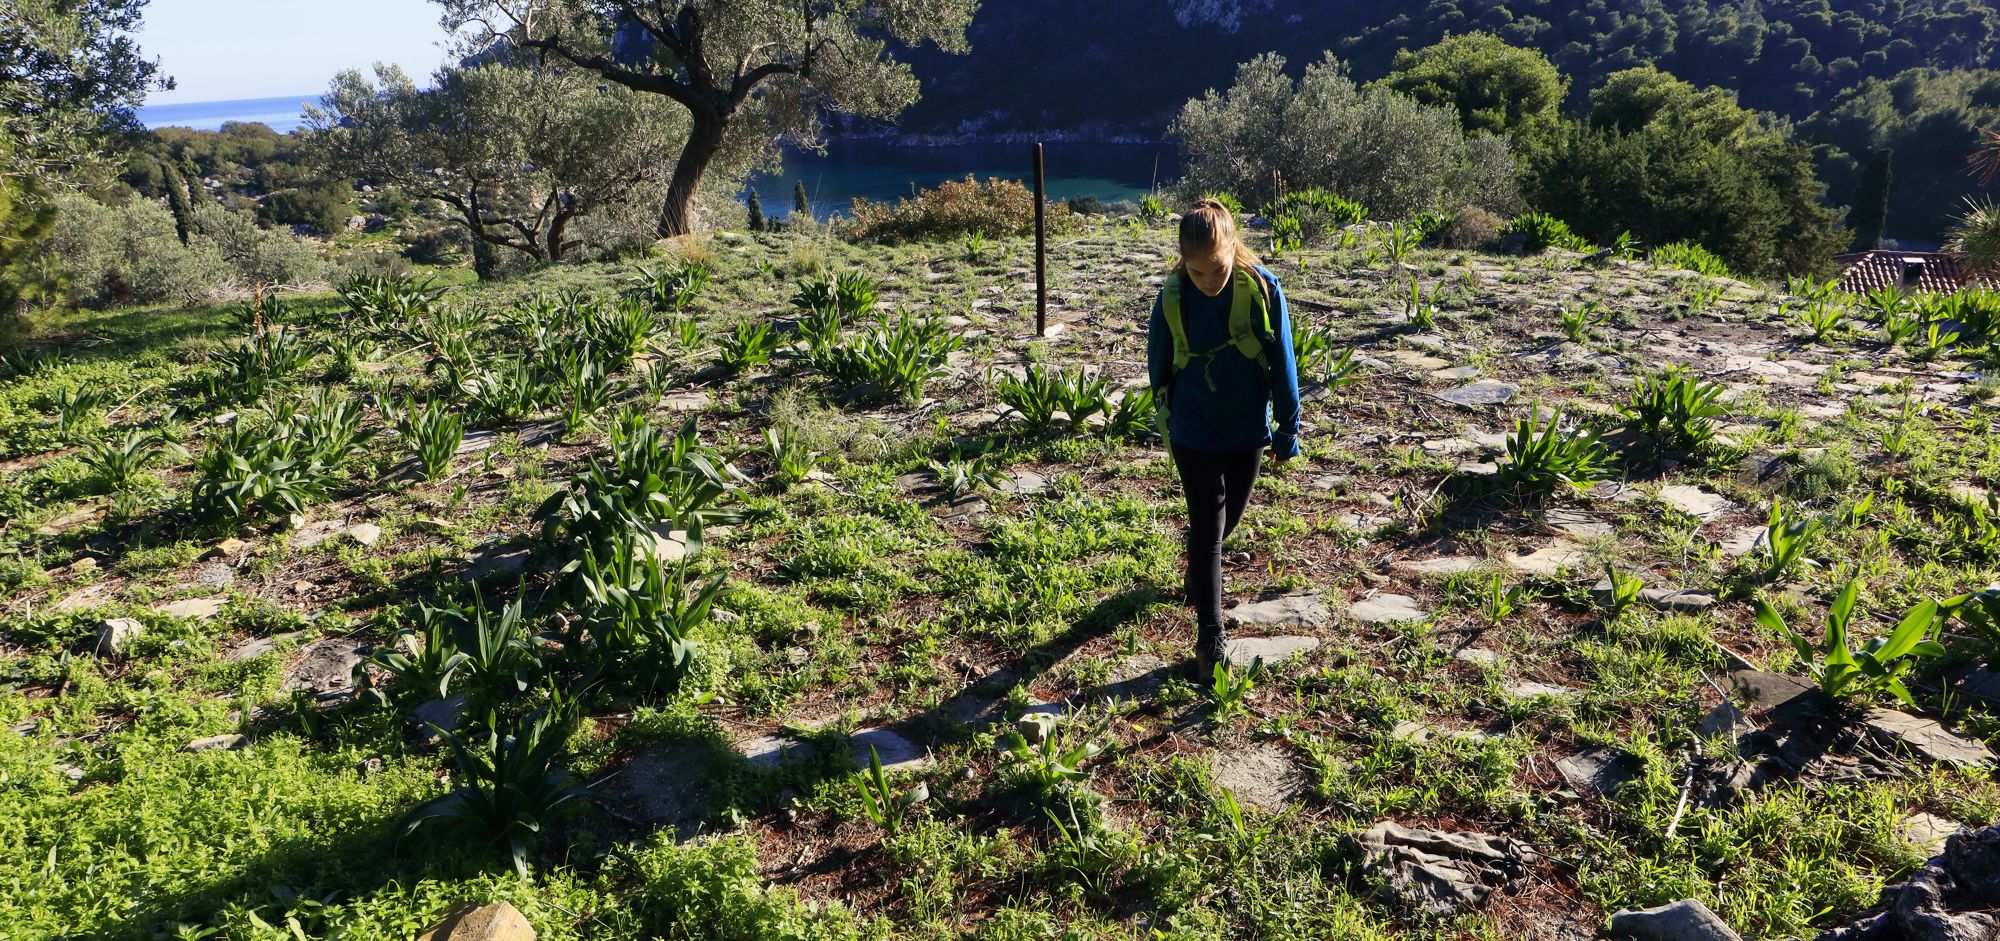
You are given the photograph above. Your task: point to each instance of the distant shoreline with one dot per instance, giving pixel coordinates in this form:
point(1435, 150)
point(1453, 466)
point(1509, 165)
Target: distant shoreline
point(283, 113)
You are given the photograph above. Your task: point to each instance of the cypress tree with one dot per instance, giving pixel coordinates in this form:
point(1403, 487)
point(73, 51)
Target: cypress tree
point(1871, 201)
point(177, 201)
point(799, 203)
point(756, 212)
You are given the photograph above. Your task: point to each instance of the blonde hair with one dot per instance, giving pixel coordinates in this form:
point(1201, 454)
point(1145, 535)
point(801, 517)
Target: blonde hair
point(1207, 228)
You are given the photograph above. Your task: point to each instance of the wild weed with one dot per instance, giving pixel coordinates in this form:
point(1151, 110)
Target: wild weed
point(791, 457)
point(421, 658)
point(670, 290)
point(1675, 409)
point(433, 434)
point(644, 612)
point(1786, 540)
point(1421, 311)
point(510, 784)
point(118, 463)
point(1879, 665)
point(883, 803)
point(1229, 691)
point(1542, 457)
point(1623, 591)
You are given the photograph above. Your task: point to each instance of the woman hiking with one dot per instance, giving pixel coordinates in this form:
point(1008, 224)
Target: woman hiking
point(1220, 355)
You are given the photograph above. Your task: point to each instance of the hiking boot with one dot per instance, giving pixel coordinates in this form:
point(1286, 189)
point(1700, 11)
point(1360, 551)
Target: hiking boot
point(1210, 648)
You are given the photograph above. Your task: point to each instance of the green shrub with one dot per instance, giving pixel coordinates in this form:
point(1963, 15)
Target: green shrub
point(953, 210)
point(1675, 408)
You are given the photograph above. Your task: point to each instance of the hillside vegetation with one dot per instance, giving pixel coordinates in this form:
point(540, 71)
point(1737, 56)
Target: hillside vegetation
point(705, 539)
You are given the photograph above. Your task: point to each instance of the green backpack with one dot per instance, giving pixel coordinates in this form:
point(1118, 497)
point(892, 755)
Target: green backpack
point(1248, 306)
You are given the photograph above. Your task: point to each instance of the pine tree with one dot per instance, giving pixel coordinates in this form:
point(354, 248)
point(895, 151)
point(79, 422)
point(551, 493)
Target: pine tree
point(756, 212)
point(26, 216)
point(799, 203)
point(1871, 202)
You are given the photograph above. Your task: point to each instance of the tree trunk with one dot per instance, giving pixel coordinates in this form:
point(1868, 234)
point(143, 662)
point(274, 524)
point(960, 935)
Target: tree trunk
point(704, 142)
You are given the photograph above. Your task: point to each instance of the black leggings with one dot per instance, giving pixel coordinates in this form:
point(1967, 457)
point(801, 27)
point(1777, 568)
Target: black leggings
point(1218, 487)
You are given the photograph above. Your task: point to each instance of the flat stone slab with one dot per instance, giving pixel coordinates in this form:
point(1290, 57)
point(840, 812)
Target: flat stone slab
point(1443, 565)
point(199, 609)
point(1548, 561)
point(1742, 541)
point(1387, 609)
point(1725, 720)
point(1478, 394)
point(215, 575)
point(1685, 920)
point(1531, 690)
point(312, 534)
point(1928, 832)
point(1926, 739)
point(1024, 482)
point(256, 647)
point(1577, 523)
point(898, 753)
point(1695, 501)
point(1761, 690)
point(367, 534)
point(224, 742)
point(1665, 599)
point(1477, 656)
point(1291, 612)
point(1597, 770)
point(776, 750)
point(1262, 776)
point(1436, 874)
point(1244, 651)
point(685, 401)
point(499, 562)
point(327, 667)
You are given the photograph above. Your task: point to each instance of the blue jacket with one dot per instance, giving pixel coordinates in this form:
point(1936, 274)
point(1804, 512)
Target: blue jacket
point(1237, 415)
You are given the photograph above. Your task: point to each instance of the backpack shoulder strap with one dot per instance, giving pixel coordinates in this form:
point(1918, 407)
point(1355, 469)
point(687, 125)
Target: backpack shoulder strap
point(1170, 308)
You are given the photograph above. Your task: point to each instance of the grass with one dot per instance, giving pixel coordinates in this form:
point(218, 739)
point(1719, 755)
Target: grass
point(857, 597)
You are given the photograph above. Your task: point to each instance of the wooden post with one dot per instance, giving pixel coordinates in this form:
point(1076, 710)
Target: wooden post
point(1041, 254)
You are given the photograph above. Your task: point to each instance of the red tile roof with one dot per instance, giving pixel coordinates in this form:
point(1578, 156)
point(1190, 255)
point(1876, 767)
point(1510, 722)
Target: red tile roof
point(1911, 271)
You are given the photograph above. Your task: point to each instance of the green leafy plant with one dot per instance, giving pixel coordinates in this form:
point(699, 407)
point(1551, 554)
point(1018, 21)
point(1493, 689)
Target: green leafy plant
point(1229, 690)
point(508, 392)
point(816, 294)
point(1690, 256)
point(1421, 311)
point(1152, 208)
point(672, 289)
point(1938, 337)
point(1344, 371)
point(1577, 321)
point(654, 478)
point(1134, 416)
point(1786, 540)
point(750, 345)
point(898, 356)
point(974, 247)
point(510, 783)
point(1879, 666)
point(1675, 409)
point(1502, 599)
point(1056, 761)
point(1825, 319)
point(1898, 327)
point(1543, 456)
point(854, 294)
point(1540, 231)
point(791, 458)
point(882, 802)
point(645, 612)
point(433, 433)
point(247, 369)
point(961, 474)
point(1623, 590)
point(422, 657)
point(117, 463)
point(1040, 394)
point(1400, 241)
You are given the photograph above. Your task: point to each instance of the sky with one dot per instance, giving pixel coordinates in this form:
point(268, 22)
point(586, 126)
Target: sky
point(218, 50)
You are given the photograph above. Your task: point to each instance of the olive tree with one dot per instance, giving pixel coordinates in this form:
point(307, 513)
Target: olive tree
point(780, 66)
point(519, 154)
point(1388, 151)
